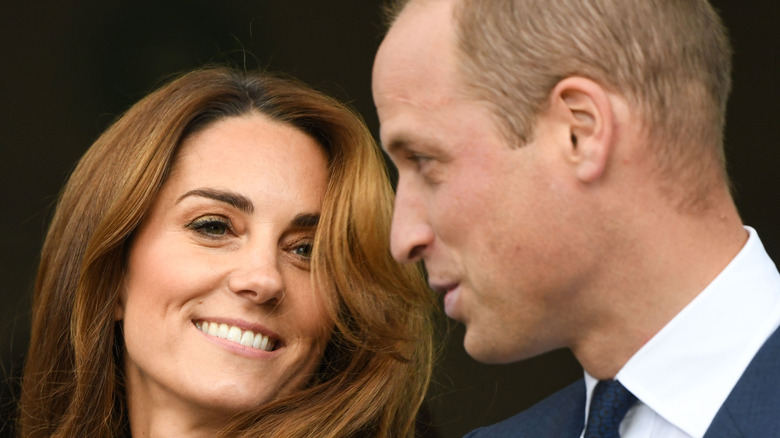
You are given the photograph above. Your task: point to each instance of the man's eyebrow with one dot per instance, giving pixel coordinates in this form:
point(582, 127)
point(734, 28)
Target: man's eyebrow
point(413, 143)
point(305, 220)
point(397, 145)
point(238, 201)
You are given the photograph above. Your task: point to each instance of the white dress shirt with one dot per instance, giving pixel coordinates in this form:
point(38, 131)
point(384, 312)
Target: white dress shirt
point(686, 371)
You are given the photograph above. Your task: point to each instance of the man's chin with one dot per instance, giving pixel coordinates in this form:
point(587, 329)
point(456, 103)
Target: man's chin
point(494, 349)
point(480, 350)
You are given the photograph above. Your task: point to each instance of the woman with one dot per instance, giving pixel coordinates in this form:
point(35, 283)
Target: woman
point(218, 265)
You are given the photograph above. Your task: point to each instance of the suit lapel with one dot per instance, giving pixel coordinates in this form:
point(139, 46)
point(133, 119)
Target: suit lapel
point(753, 407)
point(562, 415)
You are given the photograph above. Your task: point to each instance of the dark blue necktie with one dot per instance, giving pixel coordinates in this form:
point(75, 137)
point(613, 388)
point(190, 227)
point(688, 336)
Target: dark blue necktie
point(608, 406)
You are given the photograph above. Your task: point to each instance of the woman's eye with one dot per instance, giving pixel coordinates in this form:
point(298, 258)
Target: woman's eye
point(210, 226)
point(303, 250)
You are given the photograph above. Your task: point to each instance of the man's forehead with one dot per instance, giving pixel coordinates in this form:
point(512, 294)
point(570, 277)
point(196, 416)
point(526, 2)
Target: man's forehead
point(421, 22)
point(417, 55)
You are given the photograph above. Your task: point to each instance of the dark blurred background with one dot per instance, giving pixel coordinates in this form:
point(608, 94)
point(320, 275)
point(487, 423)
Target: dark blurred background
point(67, 69)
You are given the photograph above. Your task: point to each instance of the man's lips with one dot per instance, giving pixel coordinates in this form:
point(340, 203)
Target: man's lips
point(442, 287)
point(451, 292)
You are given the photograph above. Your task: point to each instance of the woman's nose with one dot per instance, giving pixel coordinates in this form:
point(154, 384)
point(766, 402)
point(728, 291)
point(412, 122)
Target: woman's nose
point(258, 279)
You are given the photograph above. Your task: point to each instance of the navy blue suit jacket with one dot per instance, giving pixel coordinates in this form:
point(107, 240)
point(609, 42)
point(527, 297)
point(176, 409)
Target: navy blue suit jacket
point(752, 409)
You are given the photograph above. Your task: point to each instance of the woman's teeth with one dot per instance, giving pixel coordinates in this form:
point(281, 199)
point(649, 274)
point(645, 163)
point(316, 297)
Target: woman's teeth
point(232, 333)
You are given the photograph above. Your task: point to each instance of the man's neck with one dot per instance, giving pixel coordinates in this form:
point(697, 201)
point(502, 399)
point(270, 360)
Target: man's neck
point(665, 261)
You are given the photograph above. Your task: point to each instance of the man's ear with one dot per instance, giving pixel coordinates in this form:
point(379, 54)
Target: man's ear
point(585, 109)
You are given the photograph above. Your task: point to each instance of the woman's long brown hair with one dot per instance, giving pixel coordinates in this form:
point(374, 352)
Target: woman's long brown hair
point(377, 365)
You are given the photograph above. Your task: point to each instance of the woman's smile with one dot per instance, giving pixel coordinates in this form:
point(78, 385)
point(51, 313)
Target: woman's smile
point(237, 335)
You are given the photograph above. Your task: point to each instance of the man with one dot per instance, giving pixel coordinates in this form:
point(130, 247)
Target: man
point(562, 176)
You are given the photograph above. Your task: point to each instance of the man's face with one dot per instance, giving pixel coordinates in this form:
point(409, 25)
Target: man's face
point(489, 219)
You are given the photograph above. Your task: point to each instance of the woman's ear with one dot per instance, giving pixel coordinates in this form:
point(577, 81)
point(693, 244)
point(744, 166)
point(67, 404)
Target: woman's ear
point(119, 310)
point(586, 111)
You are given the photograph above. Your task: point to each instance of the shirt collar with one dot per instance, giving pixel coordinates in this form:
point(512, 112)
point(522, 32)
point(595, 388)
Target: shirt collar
point(686, 371)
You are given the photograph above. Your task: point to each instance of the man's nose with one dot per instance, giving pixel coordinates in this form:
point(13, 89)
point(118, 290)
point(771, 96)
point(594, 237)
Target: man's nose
point(411, 234)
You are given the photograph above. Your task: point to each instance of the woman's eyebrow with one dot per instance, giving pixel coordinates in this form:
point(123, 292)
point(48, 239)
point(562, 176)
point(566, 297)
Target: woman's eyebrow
point(305, 220)
point(238, 201)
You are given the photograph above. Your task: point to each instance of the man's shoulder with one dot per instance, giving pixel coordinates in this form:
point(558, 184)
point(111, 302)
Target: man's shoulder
point(559, 415)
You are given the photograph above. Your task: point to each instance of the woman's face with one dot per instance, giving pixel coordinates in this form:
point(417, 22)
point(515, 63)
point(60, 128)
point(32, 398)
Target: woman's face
point(219, 312)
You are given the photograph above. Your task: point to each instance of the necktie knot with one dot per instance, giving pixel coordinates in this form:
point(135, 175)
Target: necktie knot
point(609, 404)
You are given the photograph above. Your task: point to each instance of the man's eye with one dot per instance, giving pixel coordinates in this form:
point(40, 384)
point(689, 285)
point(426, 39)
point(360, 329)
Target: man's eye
point(210, 226)
point(420, 161)
point(417, 158)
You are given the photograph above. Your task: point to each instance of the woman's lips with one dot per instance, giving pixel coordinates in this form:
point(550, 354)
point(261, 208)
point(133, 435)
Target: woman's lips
point(238, 334)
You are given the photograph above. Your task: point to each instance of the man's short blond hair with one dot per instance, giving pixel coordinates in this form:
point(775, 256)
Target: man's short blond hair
point(671, 59)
